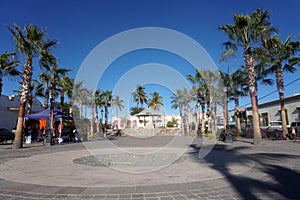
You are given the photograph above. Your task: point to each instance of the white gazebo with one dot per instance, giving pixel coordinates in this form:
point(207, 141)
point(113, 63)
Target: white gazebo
point(149, 117)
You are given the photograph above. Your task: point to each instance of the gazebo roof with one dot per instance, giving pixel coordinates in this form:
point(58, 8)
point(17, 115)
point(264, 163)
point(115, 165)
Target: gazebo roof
point(148, 112)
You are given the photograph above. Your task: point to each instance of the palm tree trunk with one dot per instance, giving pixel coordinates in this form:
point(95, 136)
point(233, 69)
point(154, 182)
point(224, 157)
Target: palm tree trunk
point(92, 119)
point(196, 118)
point(1, 85)
point(106, 117)
point(29, 106)
point(27, 74)
point(182, 119)
point(202, 118)
point(186, 131)
point(280, 88)
point(71, 107)
point(249, 60)
point(237, 112)
point(80, 109)
point(62, 101)
point(46, 100)
point(97, 118)
point(29, 99)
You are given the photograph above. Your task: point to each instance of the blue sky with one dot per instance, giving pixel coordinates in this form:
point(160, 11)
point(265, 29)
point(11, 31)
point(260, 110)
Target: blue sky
point(80, 26)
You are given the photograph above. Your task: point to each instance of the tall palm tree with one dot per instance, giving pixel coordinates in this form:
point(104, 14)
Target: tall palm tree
point(54, 74)
point(98, 103)
point(118, 103)
point(78, 95)
point(49, 63)
point(246, 32)
point(226, 84)
point(43, 87)
point(194, 93)
point(67, 85)
point(106, 98)
point(30, 43)
point(277, 56)
point(7, 67)
point(238, 85)
point(201, 86)
point(187, 99)
point(90, 102)
point(156, 101)
point(178, 102)
point(139, 96)
point(209, 78)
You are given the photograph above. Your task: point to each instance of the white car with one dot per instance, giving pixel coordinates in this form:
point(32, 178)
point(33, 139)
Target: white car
point(275, 125)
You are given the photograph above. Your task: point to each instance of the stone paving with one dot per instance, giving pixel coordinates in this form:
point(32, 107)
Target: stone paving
point(151, 168)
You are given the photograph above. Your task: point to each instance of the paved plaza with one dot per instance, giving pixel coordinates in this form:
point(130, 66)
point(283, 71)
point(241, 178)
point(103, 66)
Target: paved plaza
point(160, 167)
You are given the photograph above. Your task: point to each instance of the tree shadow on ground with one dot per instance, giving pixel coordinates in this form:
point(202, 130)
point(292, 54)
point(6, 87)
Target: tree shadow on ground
point(270, 178)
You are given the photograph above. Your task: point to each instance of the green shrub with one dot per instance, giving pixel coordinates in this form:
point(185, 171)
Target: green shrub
point(210, 136)
point(172, 123)
point(291, 136)
point(193, 134)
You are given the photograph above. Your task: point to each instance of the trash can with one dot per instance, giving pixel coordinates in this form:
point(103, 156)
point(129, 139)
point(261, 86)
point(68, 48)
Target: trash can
point(228, 136)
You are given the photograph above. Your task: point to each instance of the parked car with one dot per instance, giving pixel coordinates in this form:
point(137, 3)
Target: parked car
point(275, 125)
point(295, 126)
point(6, 135)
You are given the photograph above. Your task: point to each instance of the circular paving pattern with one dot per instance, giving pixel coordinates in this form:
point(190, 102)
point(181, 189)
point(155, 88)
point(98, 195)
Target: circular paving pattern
point(81, 169)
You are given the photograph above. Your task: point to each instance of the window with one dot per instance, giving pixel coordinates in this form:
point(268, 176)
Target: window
point(265, 119)
point(298, 112)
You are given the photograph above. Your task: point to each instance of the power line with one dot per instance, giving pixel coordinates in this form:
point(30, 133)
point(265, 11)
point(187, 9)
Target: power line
point(273, 92)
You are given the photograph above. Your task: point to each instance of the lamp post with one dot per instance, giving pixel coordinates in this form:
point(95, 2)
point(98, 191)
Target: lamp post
point(85, 136)
point(102, 124)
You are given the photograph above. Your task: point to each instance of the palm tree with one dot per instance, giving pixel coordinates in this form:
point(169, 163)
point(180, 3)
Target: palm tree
point(238, 88)
point(118, 103)
point(156, 102)
point(226, 83)
point(98, 103)
point(178, 102)
point(201, 88)
point(43, 87)
point(90, 102)
point(277, 56)
point(78, 95)
point(209, 79)
point(106, 98)
point(67, 85)
point(55, 74)
point(139, 96)
point(245, 32)
point(7, 67)
point(187, 99)
point(31, 43)
point(194, 93)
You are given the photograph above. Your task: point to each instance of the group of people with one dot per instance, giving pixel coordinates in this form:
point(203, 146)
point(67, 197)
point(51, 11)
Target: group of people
point(33, 130)
point(36, 130)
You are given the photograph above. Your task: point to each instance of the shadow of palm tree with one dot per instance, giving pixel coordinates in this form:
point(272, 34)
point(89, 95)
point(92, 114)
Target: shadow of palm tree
point(270, 177)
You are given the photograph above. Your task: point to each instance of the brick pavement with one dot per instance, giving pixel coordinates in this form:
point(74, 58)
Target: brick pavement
point(271, 171)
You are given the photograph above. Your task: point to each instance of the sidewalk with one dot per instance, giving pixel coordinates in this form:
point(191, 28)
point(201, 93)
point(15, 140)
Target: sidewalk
point(148, 169)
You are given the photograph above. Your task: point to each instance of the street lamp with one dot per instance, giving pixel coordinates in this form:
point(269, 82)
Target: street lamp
point(101, 124)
